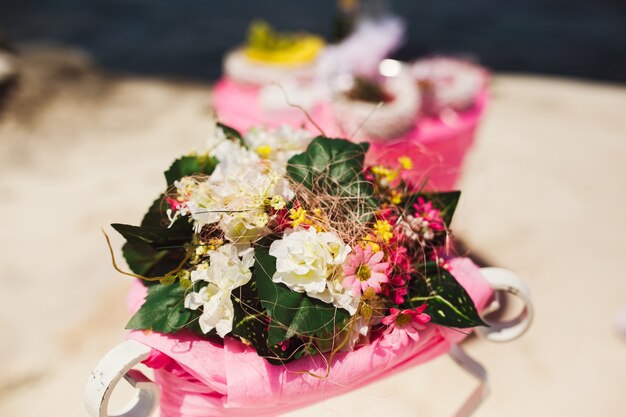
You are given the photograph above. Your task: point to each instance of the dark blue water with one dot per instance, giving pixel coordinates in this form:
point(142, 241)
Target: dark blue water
point(187, 38)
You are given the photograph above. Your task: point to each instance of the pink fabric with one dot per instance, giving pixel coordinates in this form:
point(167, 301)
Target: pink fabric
point(437, 148)
point(200, 378)
point(239, 106)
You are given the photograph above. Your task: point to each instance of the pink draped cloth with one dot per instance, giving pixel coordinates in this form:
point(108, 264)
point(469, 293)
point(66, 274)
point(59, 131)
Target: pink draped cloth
point(437, 147)
point(200, 378)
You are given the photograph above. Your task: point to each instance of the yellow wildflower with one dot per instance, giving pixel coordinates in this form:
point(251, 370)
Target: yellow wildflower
point(297, 216)
point(264, 151)
point(369, 241)
point(384, 174)
point(406, 162)
point(383, 230)
point(396, 197)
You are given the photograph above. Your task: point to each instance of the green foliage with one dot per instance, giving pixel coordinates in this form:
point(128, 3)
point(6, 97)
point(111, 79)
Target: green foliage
point(163, 311)
point(232, 134)
point(189, 165)
point(251, 325)
point(156, 237)
point(155, 248)
point(335, 167)
point(447, 301)
point(292, 313)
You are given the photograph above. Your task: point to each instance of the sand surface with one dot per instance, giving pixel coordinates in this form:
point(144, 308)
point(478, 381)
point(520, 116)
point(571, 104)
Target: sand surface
point(544, 195)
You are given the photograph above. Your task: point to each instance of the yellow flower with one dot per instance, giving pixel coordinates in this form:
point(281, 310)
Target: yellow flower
point(396, 197)
point(383, 230)
point(264, 151)
point(384, 174)
point(406, 162)
point(369, 241)
point(298, 216)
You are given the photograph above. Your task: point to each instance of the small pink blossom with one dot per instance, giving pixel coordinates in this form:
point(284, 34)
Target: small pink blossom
point(396, 289)
point(424, 223)
point(174, 204)
point(363, 269)
point(427, 213)
point(405, 324)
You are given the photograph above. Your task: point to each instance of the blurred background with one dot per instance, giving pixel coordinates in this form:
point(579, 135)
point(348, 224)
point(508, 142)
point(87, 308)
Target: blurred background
point(581, 38)
point(98, 97)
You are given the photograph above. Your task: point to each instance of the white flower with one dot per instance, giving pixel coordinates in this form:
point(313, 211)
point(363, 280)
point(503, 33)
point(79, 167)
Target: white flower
point(195, 300)
point(228, 269)
point(245, 227)
point(341, 297)
point(277, 145)
point(305, 260)
point(235, 195)
point(217, 313)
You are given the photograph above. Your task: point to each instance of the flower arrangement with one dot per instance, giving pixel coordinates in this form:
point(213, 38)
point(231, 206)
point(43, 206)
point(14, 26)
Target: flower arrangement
point(269, 56)
point(293, 246)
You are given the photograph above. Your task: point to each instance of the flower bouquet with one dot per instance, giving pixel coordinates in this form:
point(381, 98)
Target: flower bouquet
point(278, 269)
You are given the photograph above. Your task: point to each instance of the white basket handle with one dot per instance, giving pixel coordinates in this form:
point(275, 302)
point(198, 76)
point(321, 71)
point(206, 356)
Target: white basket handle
point(110, 370)
point(504, 281)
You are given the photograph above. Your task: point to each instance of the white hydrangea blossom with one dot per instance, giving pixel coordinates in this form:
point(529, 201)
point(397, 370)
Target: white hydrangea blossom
point(228, 268)
point(305, 261)
point(235, 194)
point(277, 145)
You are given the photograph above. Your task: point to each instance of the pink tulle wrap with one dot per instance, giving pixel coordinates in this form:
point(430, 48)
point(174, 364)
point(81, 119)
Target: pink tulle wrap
point(199, 378)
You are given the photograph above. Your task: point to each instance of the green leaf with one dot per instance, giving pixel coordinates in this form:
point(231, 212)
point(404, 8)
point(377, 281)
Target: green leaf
point(231, 133)
point(157, 237)
point(335, 167)
point(146, 261)
point(292, 313)
point(447, 302)
point(190, 165)
point(163, 311)
point(156, 214)
point(251, 322)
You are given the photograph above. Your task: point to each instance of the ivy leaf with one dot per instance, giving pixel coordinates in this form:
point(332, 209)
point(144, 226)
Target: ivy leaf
point(158, 238)
point(291, 313)
point(335, 167)
point(155, 216)
point(146, 261)
point(447, 302)
point(153, 252)
point(251, 322)
point(163, 311)
point(231, 133)
point(189, 165)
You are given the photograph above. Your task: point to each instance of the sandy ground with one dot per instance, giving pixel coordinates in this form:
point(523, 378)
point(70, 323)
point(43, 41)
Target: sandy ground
point(544, 191)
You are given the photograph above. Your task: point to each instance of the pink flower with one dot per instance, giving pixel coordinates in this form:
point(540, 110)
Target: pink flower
point(396, 290)
point(428, 214)
point(364, 269)
point(404, 324)
point(174, 204)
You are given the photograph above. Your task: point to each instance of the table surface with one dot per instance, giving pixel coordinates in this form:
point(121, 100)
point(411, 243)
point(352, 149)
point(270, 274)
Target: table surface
point(543, 194)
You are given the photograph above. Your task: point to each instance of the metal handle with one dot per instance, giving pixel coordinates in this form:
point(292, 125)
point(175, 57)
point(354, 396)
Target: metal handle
point(115, 365)
point(504, 281)
point(475, 369)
